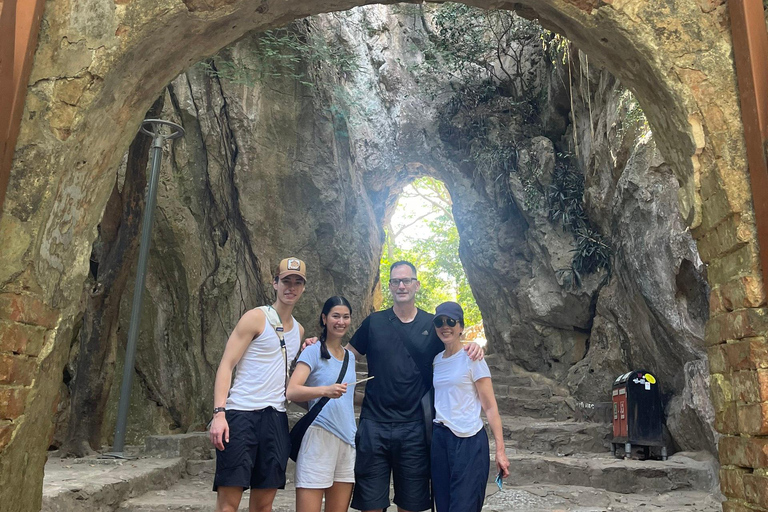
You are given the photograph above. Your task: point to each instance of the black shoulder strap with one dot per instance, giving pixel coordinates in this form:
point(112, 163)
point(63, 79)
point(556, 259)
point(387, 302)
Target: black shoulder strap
point(409, 346)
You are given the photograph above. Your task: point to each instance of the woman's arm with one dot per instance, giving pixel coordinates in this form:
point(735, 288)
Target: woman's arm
point(298, 392)
point(488, 402)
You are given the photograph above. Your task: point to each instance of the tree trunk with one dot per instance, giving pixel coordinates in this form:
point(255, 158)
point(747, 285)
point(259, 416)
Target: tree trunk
point(114, 253)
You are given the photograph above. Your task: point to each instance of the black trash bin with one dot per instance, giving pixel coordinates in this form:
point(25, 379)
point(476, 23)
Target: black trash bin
point(637, 414)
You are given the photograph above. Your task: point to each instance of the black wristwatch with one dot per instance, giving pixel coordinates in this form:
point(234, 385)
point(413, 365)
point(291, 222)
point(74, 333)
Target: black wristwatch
point(218, 409)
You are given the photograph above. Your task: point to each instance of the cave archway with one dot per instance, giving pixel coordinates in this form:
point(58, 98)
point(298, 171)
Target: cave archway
point(100, 64)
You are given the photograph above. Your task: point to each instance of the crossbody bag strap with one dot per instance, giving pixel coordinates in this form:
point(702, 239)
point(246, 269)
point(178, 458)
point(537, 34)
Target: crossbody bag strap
point(277, 324)
point(315, 410)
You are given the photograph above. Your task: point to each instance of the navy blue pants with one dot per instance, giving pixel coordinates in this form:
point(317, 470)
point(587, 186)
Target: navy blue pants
point(460, 467)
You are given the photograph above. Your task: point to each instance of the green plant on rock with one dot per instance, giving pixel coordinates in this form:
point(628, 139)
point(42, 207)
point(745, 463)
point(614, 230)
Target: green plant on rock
point(565, 198)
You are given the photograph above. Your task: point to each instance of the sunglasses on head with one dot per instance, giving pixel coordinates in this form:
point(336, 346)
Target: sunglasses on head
point(442, 320)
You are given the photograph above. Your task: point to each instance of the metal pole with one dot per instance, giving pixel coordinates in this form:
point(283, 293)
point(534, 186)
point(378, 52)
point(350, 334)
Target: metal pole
point(141, 271)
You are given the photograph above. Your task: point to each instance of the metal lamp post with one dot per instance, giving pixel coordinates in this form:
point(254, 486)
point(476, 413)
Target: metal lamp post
point(153, 128)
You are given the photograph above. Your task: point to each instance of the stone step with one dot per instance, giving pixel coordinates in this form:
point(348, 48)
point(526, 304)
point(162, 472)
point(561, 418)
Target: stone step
point(530, 392)
point(73, 485)
point(556, 408)
point(550, 498)
point(678, 473)
point(196, 445)
point(511, 380)
point(557, 437)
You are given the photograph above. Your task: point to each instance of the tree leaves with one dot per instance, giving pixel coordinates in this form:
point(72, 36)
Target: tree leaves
point(436, 256)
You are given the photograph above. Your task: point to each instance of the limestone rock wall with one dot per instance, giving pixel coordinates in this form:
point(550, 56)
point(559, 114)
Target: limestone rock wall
point(260, 174)
point(325, 163)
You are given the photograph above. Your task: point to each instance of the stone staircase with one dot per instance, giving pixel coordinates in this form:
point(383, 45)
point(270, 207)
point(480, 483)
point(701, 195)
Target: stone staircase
point(559, 451)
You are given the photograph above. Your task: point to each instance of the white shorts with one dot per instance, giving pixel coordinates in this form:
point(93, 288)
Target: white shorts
point(323, 459)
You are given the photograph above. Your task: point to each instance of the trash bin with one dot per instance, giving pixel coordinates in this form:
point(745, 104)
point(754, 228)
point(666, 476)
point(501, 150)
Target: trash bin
point(637, 414)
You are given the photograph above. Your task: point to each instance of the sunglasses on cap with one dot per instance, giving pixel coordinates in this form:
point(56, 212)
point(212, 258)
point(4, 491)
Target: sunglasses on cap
point(442, 320)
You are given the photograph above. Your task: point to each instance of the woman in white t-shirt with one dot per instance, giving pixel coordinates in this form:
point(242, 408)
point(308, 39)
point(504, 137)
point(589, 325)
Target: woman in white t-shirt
point(460, 452)
point(325, 465)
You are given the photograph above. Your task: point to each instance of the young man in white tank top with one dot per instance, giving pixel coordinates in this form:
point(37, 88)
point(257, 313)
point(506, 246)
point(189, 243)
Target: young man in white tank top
point(250, 426)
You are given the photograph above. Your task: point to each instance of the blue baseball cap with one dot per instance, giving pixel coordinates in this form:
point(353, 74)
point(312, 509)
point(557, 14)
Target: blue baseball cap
point(451, 310)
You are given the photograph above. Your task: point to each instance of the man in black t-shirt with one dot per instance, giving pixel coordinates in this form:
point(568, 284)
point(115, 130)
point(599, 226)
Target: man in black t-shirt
point(391, 436)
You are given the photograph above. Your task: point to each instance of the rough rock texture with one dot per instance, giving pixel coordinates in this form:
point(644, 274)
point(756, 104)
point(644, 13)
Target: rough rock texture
point(260, 174)
point(100, 64)
point(273, 154)
point(652, 312)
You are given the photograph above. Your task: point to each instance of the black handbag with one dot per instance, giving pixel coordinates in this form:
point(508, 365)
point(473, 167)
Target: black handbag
point(301, 426)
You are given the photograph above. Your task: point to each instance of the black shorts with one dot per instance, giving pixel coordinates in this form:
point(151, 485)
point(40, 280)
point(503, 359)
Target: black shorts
point(399, 448)
point(257, 453)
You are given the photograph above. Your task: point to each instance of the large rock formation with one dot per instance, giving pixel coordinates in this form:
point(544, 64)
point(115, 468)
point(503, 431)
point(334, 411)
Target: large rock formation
point(278, 166)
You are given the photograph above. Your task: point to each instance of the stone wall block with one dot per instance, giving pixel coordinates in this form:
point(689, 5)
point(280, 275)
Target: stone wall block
point(756, 489)
point(732, 450)
point(731, 482)
point(721, 390)
point(742, 261)
point(727, 420)
point(737, 325)
point(718, 359)
point(716, 304)
point(17, 369)
point(745, 386)
point(12, 402)
point(743, 292)
point(746, 452)
point(735, 506)
point(20, 338)
point(722, 240)
point(27, 309)
point(762, 385)
point(753, 418)
point(748, 354)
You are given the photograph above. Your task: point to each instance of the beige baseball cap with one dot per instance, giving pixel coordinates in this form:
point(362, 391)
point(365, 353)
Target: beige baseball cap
point(292, 266)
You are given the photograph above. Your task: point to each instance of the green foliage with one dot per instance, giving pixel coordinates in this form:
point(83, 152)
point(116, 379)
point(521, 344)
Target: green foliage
point(631, 113)
point(555, 46)
point(565, 200)
point(436, 256)
point(565, 196)
point(288, 52)
point(472, 42)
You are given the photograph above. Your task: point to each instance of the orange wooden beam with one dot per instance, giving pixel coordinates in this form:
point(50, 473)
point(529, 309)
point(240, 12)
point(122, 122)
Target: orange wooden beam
point(19, 28)
point(750, 50)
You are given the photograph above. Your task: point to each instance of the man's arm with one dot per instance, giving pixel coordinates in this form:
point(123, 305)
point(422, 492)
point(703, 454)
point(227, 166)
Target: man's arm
point(250, 326)
point(474, 351)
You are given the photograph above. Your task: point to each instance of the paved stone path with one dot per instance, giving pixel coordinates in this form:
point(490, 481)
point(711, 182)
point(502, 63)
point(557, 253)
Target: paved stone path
point(559, 450)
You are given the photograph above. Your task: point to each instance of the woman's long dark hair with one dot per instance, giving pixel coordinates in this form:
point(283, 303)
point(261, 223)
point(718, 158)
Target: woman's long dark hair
point(336, 300)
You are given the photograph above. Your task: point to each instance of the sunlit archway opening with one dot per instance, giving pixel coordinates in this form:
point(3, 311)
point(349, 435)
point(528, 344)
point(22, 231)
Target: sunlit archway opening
point(422, 230)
